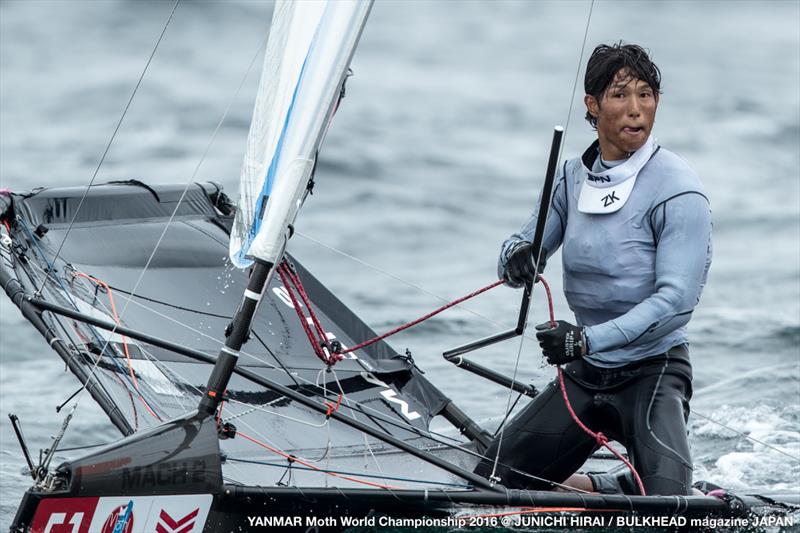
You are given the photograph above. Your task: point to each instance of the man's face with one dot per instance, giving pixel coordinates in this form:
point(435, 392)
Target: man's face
point(625, 115)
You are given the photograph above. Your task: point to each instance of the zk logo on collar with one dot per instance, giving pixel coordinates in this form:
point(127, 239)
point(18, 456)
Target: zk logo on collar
point(607, 191)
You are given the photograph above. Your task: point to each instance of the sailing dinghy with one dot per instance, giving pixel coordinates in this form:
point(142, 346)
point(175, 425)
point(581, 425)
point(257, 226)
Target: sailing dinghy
point(231, 419)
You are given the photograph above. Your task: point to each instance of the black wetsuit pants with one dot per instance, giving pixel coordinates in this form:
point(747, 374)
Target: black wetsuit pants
point(643, 405)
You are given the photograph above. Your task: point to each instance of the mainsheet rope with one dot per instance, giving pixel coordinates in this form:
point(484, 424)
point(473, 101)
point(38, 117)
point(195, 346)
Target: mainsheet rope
point(331, 354)
point(598, 436)
point(397, 278)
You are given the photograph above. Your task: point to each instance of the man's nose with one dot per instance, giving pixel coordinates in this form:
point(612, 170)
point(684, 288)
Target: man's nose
point(634, 107)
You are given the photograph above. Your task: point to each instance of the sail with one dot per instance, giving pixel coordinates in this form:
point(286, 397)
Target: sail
point(309, 49)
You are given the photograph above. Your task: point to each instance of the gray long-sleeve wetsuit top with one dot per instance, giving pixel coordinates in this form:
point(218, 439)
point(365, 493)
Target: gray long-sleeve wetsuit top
point(632, 277)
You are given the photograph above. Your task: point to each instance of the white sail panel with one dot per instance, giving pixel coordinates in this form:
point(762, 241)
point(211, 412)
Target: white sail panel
point(308, 53)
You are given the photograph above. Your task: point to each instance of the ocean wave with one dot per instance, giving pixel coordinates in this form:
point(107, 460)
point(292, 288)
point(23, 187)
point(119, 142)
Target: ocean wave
point(749, 447)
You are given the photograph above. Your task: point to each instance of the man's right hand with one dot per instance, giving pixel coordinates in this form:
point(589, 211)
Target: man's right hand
point(519, 265)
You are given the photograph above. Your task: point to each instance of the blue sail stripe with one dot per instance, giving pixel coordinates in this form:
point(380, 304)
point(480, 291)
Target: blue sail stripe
point(272, 169)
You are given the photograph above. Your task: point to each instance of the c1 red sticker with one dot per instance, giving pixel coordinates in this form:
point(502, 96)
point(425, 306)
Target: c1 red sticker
point(64, 515)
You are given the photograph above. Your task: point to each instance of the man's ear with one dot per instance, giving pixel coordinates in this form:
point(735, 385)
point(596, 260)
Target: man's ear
point(591, 105)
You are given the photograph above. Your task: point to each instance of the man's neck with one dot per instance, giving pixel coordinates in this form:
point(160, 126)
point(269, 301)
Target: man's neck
point(609, 152)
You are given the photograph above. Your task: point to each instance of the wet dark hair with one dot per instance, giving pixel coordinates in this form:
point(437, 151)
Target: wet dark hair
point(607, 60)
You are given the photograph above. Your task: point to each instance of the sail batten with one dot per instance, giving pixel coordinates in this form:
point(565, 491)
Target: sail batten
point(307, 57)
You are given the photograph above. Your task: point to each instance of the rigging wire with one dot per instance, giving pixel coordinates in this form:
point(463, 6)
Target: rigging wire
point(114, 134)
point(147, 355)
point(263, 409)
point(578, 72)
point(741, 376)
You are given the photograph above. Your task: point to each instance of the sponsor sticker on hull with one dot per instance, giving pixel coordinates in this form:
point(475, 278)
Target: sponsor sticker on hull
point(120, 520)
point(64, 515)
point(140, 514)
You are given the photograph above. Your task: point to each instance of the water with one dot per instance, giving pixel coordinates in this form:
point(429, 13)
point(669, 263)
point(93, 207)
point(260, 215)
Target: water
point(435, 156)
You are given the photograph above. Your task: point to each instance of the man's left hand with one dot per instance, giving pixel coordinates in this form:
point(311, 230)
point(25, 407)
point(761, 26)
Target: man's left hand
point(561, 343)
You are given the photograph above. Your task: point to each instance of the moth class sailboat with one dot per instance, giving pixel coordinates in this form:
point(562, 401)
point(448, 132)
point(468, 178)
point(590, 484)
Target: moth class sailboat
point(227, 411)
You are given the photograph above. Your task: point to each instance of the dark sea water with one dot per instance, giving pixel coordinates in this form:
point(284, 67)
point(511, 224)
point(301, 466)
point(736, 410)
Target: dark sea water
point(435, 156)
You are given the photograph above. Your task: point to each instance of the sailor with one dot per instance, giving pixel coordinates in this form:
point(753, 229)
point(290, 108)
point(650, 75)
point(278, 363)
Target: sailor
point(634, 226)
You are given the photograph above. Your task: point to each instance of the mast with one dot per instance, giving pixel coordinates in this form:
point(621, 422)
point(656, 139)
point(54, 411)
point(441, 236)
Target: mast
point(229, 355)
point(305, 66)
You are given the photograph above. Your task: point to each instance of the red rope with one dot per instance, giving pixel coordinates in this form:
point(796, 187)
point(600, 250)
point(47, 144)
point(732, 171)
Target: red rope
point(333, 407)
point(423, 318)
point(291, 283)
point(298, 284)
point(601, 439)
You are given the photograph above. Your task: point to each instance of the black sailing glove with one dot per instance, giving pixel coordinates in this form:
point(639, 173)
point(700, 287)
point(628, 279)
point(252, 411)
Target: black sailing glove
point(519, 265)
point(561, 344)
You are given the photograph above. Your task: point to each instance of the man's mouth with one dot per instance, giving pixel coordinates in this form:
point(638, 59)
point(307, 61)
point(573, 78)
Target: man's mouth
point(632, 130)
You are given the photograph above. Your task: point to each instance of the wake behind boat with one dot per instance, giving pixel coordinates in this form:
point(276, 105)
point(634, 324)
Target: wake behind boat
point(270, 424)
